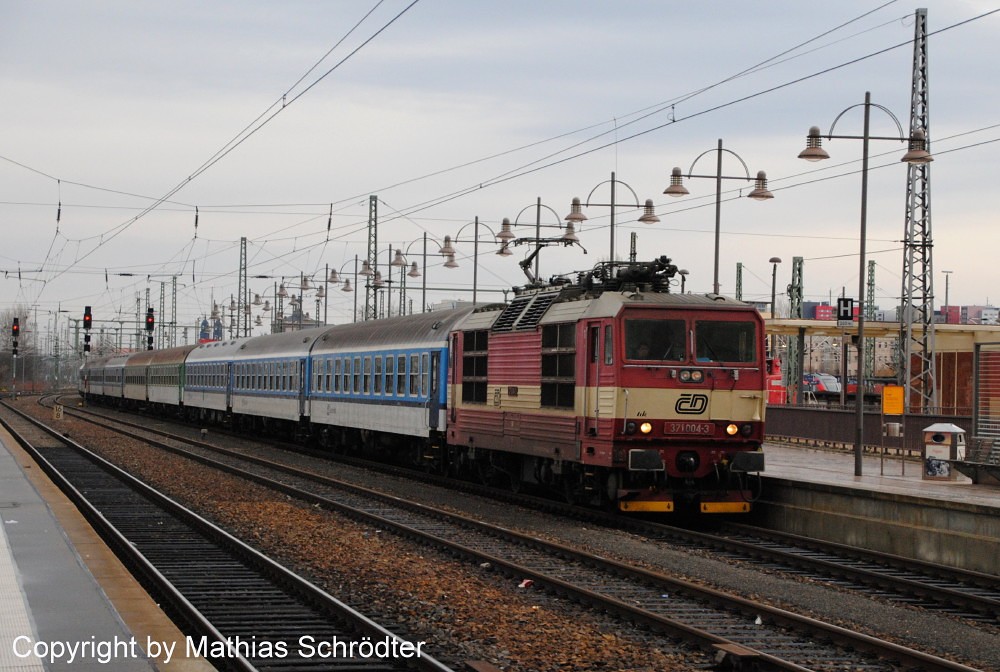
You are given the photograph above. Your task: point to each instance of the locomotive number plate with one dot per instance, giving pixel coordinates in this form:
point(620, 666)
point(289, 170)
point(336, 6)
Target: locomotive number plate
point(704, 428)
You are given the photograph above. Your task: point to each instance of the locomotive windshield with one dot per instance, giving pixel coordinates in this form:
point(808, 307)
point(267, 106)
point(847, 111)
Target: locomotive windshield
point(726, 341)
point(660, 340)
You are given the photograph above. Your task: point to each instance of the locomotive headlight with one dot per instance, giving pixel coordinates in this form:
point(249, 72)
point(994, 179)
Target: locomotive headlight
point(630, 427)
point(646, 428)
point(685, 376)
point(731, 429)
point(697, 376)
point(746, 429)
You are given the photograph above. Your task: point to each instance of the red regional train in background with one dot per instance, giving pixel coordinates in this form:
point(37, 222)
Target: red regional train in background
point(608, 389)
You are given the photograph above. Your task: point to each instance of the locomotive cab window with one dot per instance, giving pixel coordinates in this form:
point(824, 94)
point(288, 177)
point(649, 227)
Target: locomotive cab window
point(726, 341)
point(655, 340)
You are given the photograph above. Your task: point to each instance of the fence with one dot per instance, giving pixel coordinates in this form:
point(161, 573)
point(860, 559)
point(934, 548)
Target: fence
point(836, 428)
point(986, 391)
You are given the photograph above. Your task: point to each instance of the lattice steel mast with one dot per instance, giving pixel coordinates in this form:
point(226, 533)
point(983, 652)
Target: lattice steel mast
point(242, 303)
point(371, 292)
point(796, 345)
point(916, 317)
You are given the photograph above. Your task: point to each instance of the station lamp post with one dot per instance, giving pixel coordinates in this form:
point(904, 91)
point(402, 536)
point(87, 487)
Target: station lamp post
point(334, 278)
point(576, 216)
point(814, 152)
point(400, 262)
point(503, 238)
point(759, 193)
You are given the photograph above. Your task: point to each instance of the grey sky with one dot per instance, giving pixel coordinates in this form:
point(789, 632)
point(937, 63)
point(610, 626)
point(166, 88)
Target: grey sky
point(108, 106)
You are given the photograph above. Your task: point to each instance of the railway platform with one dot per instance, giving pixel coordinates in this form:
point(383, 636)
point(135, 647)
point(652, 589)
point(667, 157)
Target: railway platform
point(889, 508)
point(66, 603)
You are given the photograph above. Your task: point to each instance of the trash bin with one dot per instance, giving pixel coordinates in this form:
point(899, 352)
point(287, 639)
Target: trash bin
point(944, 443)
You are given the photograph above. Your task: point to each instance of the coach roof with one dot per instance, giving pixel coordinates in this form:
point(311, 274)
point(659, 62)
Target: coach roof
point(410, 331)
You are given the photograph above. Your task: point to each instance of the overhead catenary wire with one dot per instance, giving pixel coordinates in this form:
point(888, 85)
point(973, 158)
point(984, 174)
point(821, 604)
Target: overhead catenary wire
point(242, 137)
point(410, 212)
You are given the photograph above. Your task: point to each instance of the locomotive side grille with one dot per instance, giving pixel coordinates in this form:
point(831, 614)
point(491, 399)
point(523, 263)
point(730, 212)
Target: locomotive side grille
point(510, 314)
point(524, 312)
point(533, 313)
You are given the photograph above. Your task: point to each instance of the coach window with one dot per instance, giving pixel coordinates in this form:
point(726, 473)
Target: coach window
point(401, 375)
point(367, 389)
point(336, 375)
point(390, 374)
point(329, 375)
point(377, 384)
point(357, 375)
point(414, 375)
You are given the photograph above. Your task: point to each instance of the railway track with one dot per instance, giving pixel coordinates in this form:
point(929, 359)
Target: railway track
point(969, 595)
point(238, 608)
point(737, 628)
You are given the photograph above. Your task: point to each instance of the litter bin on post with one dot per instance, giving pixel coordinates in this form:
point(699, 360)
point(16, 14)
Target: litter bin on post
point(944, 443)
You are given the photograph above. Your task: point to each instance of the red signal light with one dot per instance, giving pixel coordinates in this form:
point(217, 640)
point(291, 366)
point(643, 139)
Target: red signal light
point(88, 319)
point(15, 329)
point(150, 321)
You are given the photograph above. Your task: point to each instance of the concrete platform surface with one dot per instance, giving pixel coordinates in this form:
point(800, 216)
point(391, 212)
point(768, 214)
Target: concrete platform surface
point(888, 475)
point(66, 602)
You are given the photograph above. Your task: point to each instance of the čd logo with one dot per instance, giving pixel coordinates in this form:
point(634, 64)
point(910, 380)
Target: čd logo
point(691, 404)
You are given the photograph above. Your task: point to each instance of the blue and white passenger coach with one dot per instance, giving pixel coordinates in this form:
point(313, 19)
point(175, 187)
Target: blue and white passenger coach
point(207, 380)
point(269, 378)
point(386, 376)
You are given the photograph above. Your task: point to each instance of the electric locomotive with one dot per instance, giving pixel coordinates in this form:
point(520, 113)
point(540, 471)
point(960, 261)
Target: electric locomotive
point(614, 391)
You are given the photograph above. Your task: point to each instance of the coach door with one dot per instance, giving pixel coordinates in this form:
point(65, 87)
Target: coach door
point(434, 394)
point(302, 382)
point(229, 386)
point(591, 379)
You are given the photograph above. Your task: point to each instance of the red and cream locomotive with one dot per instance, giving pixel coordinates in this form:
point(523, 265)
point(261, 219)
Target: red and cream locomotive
point(614, 390)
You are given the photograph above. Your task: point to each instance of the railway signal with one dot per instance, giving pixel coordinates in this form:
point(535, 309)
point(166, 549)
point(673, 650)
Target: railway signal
point(150, 323)
point(15, 331)
point(88, 320)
